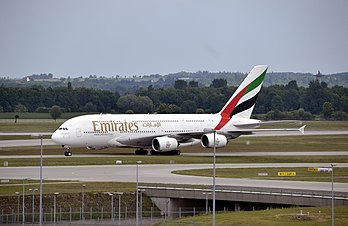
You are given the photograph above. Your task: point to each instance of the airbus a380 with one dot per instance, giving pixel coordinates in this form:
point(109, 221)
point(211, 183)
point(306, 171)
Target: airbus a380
point(165, 133)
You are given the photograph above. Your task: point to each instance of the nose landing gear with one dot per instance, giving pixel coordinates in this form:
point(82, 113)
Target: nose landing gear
point(67, 151)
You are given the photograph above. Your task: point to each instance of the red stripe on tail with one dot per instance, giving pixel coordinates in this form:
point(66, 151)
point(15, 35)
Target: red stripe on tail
point(226, 113)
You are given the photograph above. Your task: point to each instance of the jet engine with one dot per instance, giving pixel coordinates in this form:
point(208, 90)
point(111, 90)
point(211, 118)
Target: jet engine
point(207, 140)
point(164, 144)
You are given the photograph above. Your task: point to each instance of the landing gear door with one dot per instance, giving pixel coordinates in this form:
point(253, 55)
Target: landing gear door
point(78, 132)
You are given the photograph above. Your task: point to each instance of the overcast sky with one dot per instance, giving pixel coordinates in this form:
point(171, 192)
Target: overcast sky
point(110, 37)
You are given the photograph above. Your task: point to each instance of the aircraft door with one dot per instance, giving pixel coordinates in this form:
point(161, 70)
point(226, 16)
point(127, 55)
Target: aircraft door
point(208, 122)
point(78, 132)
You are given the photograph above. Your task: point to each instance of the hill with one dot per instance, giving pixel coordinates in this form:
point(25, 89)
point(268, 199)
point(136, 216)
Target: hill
point(204, 78)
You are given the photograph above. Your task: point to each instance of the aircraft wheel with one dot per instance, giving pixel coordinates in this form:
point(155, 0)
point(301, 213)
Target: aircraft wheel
point(152, 152)
point(178, 152)
point(141, 152)
point(67, 153)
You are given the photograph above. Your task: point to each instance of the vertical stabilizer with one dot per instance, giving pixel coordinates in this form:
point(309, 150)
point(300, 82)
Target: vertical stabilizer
point(242, 102)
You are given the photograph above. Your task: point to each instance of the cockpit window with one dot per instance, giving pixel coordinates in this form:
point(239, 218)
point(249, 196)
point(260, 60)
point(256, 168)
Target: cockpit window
point(63, 128)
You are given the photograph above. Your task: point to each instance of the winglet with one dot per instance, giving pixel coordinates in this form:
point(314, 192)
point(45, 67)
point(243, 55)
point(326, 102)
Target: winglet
point(302, 129)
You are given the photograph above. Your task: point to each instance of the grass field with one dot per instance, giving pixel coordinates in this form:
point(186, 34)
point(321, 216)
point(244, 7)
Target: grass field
point(66, 187)
point(51, 186)
point(318, 216)
point(302, 174)
point(242, 144)
point(30, 125)
point(32, 115)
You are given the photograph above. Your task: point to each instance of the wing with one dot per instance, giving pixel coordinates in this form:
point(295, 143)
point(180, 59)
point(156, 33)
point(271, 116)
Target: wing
point(135, 141)
point(146, 141)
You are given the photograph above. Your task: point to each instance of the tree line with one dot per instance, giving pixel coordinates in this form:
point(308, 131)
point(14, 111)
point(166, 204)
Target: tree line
point(274, 102)
point(130, 84)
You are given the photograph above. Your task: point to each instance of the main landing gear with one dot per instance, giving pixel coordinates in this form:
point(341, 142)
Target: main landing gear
point(169, 153)
point(152, 152)
point(141, 152)
point(67, 151)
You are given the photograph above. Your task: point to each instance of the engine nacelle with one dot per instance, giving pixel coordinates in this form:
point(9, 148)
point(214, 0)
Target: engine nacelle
point(164, 144)
point(207, 140)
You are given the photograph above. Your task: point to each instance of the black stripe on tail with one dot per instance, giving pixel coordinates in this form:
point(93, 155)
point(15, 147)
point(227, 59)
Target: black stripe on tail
point(245, 105)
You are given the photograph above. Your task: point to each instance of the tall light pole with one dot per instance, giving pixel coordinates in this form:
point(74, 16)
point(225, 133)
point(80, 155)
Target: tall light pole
point(41, 151)
point(54, 207)
point(333, 195)
point(141, 206)
point(18, 194)
point(112, 208)
point(137, 198)
point(209, 130)
point(83, 202)
point(206, 201)
point(213, 223)
point(125, 212)
point(33, 203)
point(119, 206)
point(23, 207)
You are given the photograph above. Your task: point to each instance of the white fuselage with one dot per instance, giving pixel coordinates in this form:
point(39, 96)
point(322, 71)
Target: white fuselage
point(105, 130)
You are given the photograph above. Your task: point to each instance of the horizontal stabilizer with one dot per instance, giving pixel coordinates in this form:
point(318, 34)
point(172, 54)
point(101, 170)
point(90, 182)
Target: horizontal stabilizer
point(255, 123)
point(296, 122)
point(250, 131)
point(302, 129)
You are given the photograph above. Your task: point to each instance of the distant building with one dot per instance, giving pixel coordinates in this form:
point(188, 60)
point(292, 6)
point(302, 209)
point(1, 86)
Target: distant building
point(319, 75)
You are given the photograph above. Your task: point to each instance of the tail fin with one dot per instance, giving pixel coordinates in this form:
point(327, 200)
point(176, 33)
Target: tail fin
point(242, 102)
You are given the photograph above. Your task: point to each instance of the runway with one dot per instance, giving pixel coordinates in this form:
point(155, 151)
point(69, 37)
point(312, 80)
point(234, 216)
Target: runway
point(225, 154)
point(161, 173)
point(47, 142)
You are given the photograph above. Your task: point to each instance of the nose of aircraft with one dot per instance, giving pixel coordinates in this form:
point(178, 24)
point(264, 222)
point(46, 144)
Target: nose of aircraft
point(56, 137)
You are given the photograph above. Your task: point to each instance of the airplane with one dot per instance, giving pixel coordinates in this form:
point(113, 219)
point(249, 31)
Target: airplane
point(165, 133)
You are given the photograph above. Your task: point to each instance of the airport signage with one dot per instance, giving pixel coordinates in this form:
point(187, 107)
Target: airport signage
point(286, 174)
point(262, 174)
point(322, 169)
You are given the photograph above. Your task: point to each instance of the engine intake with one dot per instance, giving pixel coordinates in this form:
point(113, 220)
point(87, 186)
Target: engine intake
point(207, 140)
point(164, 144)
